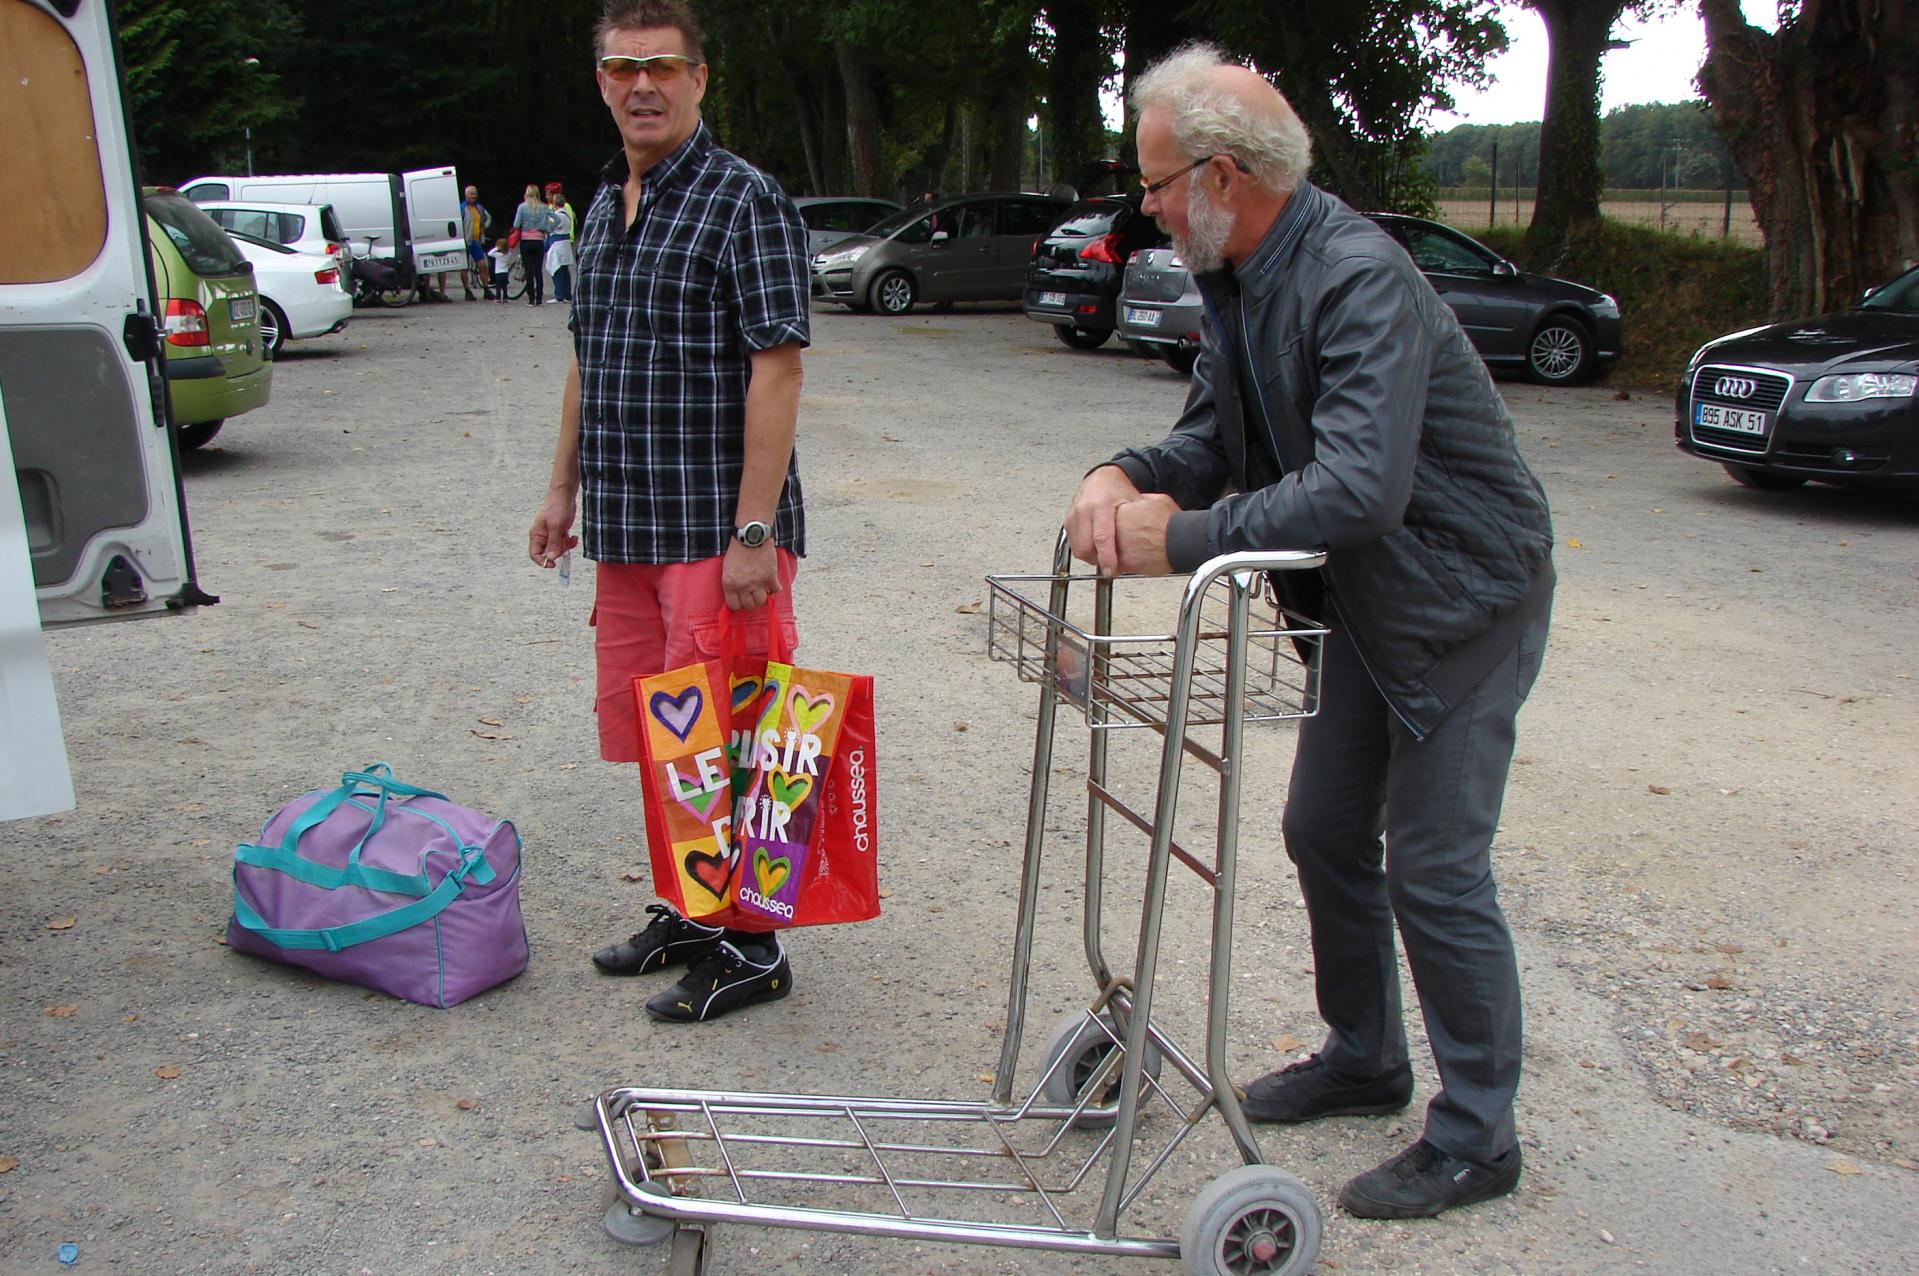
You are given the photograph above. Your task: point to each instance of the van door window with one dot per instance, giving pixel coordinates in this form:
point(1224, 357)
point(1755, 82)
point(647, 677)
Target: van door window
point(62, 227)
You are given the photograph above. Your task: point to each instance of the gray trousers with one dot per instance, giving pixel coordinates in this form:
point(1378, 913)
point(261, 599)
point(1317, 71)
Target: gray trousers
point(1384, 827)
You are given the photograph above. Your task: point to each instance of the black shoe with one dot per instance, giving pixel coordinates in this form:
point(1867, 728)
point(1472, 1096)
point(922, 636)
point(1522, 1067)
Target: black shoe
point(668, 939)
point(1423, 1181)
point(724, 980)
point(1310, 1089)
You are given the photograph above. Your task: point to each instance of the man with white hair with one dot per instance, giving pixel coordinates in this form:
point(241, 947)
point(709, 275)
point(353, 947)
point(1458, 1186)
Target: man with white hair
point(1336, 405)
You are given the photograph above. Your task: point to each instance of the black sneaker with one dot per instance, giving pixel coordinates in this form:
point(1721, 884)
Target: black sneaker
point(724, 980)
point(668, 939)
point(1423, 1181)
point(1310, 1089)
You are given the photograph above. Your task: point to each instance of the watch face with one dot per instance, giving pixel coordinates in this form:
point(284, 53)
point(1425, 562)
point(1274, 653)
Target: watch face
point(753, 534)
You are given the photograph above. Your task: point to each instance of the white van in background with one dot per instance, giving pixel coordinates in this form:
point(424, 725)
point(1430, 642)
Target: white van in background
point(413, 216)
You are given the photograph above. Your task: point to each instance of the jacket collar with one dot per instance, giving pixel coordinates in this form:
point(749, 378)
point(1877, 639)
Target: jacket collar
point(685, 158)
point(1265, 266)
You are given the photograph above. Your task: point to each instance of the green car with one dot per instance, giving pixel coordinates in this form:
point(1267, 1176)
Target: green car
point(216, 364)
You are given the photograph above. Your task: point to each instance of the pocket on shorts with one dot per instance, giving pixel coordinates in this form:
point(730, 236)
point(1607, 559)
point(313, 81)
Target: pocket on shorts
point(706, 630)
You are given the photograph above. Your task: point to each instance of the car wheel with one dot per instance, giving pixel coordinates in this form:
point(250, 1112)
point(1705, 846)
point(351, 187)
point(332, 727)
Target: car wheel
point(1180, 361)
point(273, 328)
point(1560, 352)
point(893, 293)
point(1081, 338)
point(1762, 480)
point(199, 434)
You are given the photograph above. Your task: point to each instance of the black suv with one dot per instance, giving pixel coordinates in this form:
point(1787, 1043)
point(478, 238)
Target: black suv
point(1078, 266)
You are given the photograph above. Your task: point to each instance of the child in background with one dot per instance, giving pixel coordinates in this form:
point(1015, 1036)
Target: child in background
point(497, 259)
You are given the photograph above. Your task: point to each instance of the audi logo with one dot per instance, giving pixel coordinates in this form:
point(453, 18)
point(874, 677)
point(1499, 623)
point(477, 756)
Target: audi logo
point(1735, 387)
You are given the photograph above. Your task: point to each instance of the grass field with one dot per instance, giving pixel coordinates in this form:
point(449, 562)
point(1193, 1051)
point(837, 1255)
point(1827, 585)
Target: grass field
point(1701, 214)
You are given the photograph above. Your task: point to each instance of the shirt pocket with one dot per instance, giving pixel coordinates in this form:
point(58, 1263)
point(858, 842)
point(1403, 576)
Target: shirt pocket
point(678, 299)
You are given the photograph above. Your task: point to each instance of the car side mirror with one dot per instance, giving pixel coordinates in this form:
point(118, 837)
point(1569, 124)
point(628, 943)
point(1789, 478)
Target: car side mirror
point(1504, 270)
point(939, 238)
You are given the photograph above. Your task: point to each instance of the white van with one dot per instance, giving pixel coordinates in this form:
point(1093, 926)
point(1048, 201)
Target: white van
point(413, 216)
point(93, 523)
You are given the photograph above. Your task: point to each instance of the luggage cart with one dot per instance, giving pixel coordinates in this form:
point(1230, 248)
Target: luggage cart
point(969, 1172)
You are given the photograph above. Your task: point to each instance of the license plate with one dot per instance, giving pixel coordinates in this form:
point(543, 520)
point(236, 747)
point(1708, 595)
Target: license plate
point(1052, 299)
point(242, 309)
point(1738, 420)
point(1144, 318)
point(433, 262)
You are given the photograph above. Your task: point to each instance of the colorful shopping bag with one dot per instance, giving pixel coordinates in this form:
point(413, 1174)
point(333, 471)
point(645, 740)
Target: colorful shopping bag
point(743, 789)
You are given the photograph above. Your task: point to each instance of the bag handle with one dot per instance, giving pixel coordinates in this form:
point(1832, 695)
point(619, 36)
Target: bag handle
point(367, 929)
point(733, 637)
point(286, 857)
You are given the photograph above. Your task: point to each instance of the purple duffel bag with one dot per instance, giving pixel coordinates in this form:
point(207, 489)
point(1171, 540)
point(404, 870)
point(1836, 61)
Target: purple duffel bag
point(385, 885)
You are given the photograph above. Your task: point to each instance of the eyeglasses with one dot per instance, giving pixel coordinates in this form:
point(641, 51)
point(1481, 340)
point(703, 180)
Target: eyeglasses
point(1154, 188)
point(661, 68)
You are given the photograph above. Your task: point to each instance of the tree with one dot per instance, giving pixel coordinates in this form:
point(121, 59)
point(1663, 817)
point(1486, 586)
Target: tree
point(1578, 32)
point(200, 76)
point(1078, 59)
point(1363, 77)
point(1823, 118)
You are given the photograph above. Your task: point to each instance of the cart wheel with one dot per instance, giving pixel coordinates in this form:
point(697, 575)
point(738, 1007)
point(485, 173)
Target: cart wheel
point(1084, 1049)
point(630, 1226)
point(1252, 1221)
point(688, 1257)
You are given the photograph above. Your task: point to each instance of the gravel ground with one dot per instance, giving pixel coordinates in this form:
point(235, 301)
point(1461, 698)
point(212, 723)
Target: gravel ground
point(1707, 850)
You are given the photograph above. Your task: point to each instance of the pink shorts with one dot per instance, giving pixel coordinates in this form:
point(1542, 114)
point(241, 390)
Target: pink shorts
point(648, 618)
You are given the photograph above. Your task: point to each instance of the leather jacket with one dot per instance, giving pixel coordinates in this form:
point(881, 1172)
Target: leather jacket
point(1375, 434)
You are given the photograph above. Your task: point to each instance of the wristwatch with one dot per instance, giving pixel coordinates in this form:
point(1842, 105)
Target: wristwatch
point(754, 534)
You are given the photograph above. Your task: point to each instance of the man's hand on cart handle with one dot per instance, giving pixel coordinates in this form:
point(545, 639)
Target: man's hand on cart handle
point(1141, 531)
point(1092, 522)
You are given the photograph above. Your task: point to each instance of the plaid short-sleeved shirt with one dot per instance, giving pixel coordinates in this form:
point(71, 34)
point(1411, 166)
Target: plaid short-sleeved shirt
point(666, 315)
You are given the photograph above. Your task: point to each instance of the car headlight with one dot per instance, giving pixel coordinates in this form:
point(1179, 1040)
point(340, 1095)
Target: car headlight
point(1607, 307)
point(1853, 386)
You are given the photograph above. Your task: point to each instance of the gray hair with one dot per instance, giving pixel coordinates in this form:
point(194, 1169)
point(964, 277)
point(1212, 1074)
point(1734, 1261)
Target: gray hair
point(1271, 145)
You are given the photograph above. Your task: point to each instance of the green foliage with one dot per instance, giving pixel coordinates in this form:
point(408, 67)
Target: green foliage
point(199, 75)
point(1636, 145)
point(1675, 292)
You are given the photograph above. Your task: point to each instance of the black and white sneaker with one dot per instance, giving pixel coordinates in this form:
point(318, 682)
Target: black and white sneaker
point(725, 979)
point(667, 940)
point(1423, 1181)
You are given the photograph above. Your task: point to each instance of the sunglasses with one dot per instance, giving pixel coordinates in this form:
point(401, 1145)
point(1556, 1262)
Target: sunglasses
point(1154, 188)
point(661, 68)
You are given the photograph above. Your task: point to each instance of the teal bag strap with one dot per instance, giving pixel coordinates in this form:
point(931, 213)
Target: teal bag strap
point(335, 938)
point(282, 860)
point(380, 776)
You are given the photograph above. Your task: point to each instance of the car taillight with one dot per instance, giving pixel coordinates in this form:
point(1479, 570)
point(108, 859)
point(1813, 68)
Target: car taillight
point(332, 249)
point(326, 276)
point(1036, 243)
point(1133, 256)
point(185, 323)
point(1105, 248)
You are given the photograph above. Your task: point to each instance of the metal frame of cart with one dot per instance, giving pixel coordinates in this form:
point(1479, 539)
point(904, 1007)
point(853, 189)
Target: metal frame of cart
point(1221, 666)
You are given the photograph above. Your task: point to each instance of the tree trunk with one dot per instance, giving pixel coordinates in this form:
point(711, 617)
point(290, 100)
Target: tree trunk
point(862, 121)
point(1823, 118)
point(1569, 176)
point(1076, 133)
point(1011, 104)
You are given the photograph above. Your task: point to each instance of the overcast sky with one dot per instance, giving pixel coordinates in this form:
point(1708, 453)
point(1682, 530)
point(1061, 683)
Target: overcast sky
point(1657, 67)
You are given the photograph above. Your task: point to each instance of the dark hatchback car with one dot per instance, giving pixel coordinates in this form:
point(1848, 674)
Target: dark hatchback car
point(1829, 398)
point(1555, 331)
point(1074, 279)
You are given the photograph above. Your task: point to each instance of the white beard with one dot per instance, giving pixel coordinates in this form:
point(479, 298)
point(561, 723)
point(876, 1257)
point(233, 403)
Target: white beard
point(1208, 227)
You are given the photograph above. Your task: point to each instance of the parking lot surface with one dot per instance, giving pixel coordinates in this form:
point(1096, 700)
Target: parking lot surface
point(1707, 854)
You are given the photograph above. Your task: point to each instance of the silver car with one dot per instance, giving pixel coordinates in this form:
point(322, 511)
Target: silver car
point(1160, 309)
point(970, 248)
point(831, 218)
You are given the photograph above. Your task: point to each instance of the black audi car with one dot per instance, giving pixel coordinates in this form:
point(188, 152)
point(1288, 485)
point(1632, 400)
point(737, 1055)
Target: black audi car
point(1830, 398)
point(1074, 278)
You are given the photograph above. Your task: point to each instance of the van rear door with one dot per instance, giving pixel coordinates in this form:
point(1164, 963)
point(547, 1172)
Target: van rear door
point(433, 216)
point(94, 527)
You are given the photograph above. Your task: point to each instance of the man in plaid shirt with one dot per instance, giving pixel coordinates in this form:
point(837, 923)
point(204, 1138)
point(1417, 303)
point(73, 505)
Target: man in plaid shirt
point(676, 432)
